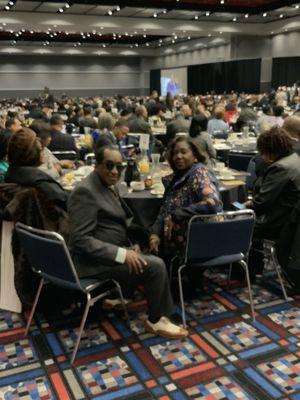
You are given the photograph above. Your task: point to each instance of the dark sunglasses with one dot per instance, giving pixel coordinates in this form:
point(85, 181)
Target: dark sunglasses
point(110, 165)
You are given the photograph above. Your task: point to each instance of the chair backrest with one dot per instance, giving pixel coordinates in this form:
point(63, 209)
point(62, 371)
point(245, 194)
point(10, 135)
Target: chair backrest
point(223, 234)
point(239, 162)
point(48, 256)
point(252, 177)
point(90, 159)
point(66, 155)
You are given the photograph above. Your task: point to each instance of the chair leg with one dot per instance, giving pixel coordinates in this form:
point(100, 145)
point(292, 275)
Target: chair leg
point(277, 268)
point(245, 266)
point(37, 296)
point(84, 317)
point(122, 301)
point(181, 295)
point(171, 269)
point(229, 275)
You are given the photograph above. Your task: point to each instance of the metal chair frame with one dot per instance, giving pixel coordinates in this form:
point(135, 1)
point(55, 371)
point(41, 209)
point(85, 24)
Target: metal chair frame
point(277, 267)
point(243, 263)
point(90, 300)
point(66, 153)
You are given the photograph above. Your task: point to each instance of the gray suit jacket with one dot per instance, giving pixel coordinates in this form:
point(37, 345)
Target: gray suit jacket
point(178, 125)
point(98, 226)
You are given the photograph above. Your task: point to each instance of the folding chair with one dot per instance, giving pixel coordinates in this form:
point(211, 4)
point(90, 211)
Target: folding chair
point(49, 258)
point(215, 240)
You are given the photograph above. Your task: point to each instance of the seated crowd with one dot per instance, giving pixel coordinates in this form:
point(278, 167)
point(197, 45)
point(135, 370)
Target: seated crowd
point(36, 141)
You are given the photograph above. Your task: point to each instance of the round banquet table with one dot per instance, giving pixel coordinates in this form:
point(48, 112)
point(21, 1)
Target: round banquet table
point(145, 206)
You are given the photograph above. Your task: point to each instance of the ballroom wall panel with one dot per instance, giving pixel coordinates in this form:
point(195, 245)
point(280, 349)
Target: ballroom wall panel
point(285, 71)
point(21, 76)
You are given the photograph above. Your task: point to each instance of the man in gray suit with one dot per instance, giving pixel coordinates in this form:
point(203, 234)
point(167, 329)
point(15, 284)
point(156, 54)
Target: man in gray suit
point(181, 123)
point(99, 220)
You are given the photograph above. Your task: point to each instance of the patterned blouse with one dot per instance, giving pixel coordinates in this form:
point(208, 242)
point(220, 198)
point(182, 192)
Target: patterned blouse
point(196, 192)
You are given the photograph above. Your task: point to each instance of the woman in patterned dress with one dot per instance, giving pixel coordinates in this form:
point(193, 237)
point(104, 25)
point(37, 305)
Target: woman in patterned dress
point(190, 190)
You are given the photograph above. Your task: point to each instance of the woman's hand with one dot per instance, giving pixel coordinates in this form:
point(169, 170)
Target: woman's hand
point(168, 228)
point(154, 243)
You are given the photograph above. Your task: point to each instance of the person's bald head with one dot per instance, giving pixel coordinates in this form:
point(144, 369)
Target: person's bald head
point(141, 111)
point(292, 126)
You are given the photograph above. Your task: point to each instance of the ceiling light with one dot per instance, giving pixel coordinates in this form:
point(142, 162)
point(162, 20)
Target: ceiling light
point(164, 11)
point(173, 41)
point(61, 10)
point(7, 8)
point(297, 6)
point(11, 3)
point(264, 15)
point(109, 12)
point(67, 5)
point(246, 15)
point(189, 38)
point(104, 45)
point(207, 13)
point(234, 19)
point(281, 16)
point(221, 32)
point(147, 44)
point(155, 15)
point(222, 1)
point(175, 37)
point(118, 8)
point(196, 17)
point(31, 32)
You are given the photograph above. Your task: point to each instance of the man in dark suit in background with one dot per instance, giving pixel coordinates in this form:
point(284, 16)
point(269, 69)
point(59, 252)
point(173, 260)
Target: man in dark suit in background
point(99, 220)
point(60, 141)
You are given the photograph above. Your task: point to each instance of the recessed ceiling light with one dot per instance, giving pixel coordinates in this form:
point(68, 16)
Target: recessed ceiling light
point(154, 15)
point(7, 8)
point(220, 32)
point(209, 35)
point(196, 17)
point(281, 16)
point(246, 15)
point(109, 12)
point(234, 19)
point(147, 44)
point(207, 13)
point(222, 1)
point(118, 8)
point(61, 10)
point(264, 15)
point(67, 5)
point(164, 11)
point(297, 6)
point(189, 38)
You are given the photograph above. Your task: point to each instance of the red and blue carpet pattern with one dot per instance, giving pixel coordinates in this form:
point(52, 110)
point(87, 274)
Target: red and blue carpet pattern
point(226, 356)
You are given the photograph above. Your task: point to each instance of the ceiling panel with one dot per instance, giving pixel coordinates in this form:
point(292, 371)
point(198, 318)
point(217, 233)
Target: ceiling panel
point(49, 7)
point(26, 5)
point(80, 9)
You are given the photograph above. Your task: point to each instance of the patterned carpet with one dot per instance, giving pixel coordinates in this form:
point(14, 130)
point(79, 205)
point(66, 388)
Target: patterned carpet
point(226, 356)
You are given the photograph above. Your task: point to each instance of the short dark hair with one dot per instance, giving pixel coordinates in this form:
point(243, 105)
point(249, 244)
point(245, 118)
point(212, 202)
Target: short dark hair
point(56, 119)
point(87, 110)
point(126, 111)
point(198, 154)
point(198, 124)
point(9, 122)
point(42, 129)
point(278, 111)
point(99, 152)
point(4, 138)
point(276, 142)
